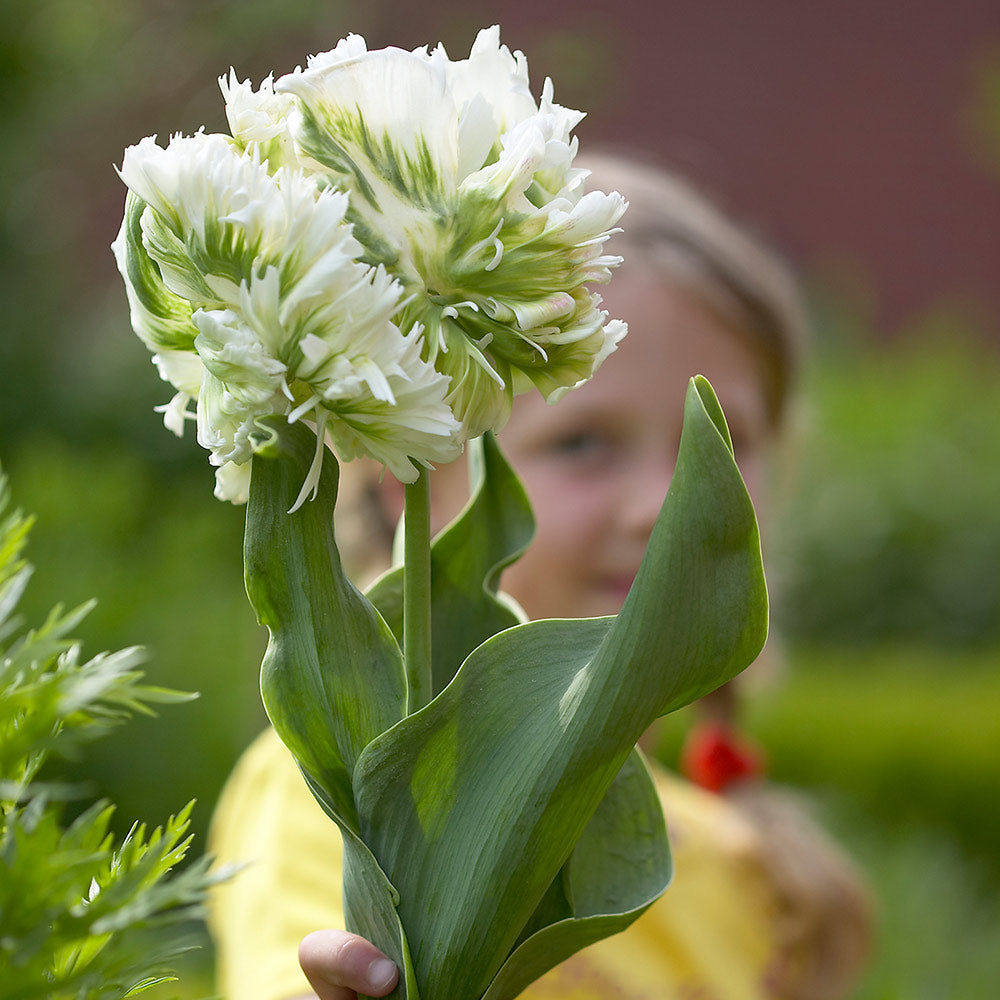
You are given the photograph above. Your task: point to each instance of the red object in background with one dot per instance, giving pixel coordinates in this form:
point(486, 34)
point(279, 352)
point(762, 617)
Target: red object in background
point(714, 756)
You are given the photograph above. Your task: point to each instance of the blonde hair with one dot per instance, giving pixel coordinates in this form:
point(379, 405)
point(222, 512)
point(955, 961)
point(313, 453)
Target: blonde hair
point(678, 230)
point(826, 913)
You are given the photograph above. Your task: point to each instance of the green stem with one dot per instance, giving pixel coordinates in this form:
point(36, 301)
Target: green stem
point(417, 592)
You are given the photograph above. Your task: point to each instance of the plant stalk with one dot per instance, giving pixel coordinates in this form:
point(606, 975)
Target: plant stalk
point(417, 592)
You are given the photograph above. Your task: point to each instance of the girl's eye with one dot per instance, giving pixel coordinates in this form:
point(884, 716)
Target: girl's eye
point(582, 447)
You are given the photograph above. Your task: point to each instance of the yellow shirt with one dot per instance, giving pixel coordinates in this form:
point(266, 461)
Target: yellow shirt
point(710, 937)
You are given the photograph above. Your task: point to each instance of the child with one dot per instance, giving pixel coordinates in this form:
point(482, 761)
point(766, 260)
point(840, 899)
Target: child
point(761, 905)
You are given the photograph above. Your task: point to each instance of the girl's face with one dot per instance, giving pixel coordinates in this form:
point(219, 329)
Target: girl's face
point(596, 466)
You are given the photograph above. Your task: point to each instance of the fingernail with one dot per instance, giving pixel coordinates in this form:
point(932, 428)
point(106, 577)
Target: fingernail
point(381, 972)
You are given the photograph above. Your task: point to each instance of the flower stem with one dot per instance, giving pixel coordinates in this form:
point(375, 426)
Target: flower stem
point(417, 592)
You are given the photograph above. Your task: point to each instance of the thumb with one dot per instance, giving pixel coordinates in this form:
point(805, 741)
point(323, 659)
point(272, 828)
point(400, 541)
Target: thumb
point(339, 965)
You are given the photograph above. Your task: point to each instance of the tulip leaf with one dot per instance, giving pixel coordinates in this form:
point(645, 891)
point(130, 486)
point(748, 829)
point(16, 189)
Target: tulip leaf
point(332, 677)
point(450, 798)
point(619, 867)
point(699, 597)
point(473, 804)
point(467, 558)
point(509, 822)
point(378, 919)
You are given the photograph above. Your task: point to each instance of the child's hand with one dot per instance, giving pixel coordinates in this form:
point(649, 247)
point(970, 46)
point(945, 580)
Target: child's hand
point(338, 965)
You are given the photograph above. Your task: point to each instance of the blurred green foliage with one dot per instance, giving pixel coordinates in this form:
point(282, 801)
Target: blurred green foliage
point(908, 733)
point(939, 920)
point(81, 914)
point(80, 82)
point(896, 749)
point(167, 560)
point(890, 529)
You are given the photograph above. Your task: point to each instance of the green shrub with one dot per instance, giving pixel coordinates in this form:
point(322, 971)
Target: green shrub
point(907, 734)
point(892, 529)
point(167, 561)
point(80, 915)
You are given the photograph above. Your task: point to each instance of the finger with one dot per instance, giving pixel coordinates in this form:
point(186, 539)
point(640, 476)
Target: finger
point(340, 965)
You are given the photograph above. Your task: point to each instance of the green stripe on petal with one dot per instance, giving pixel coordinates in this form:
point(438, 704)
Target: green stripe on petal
point(383, 122)
point(160, 318)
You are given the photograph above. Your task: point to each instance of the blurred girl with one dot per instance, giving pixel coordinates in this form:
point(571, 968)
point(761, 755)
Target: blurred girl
point(762, 905)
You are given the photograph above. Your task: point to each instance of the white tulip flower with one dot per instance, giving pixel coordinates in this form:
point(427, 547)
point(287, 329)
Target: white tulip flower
point(391, 245)
point(463, 187)
point(247, 286)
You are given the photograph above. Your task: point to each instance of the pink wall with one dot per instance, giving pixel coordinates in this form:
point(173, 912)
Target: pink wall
point(843, 129)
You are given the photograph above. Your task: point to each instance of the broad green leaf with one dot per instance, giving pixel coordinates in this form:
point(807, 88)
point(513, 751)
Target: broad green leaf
point(371, 912)
point(450, 797)
point(377, 918)
point(332, 677)
point(699, 601)
point(619, 867)
point(473, 804)
point(467, 558)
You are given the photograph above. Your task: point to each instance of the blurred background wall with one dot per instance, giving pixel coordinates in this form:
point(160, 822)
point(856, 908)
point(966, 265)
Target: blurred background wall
point(864, 138)
point(863, 135)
